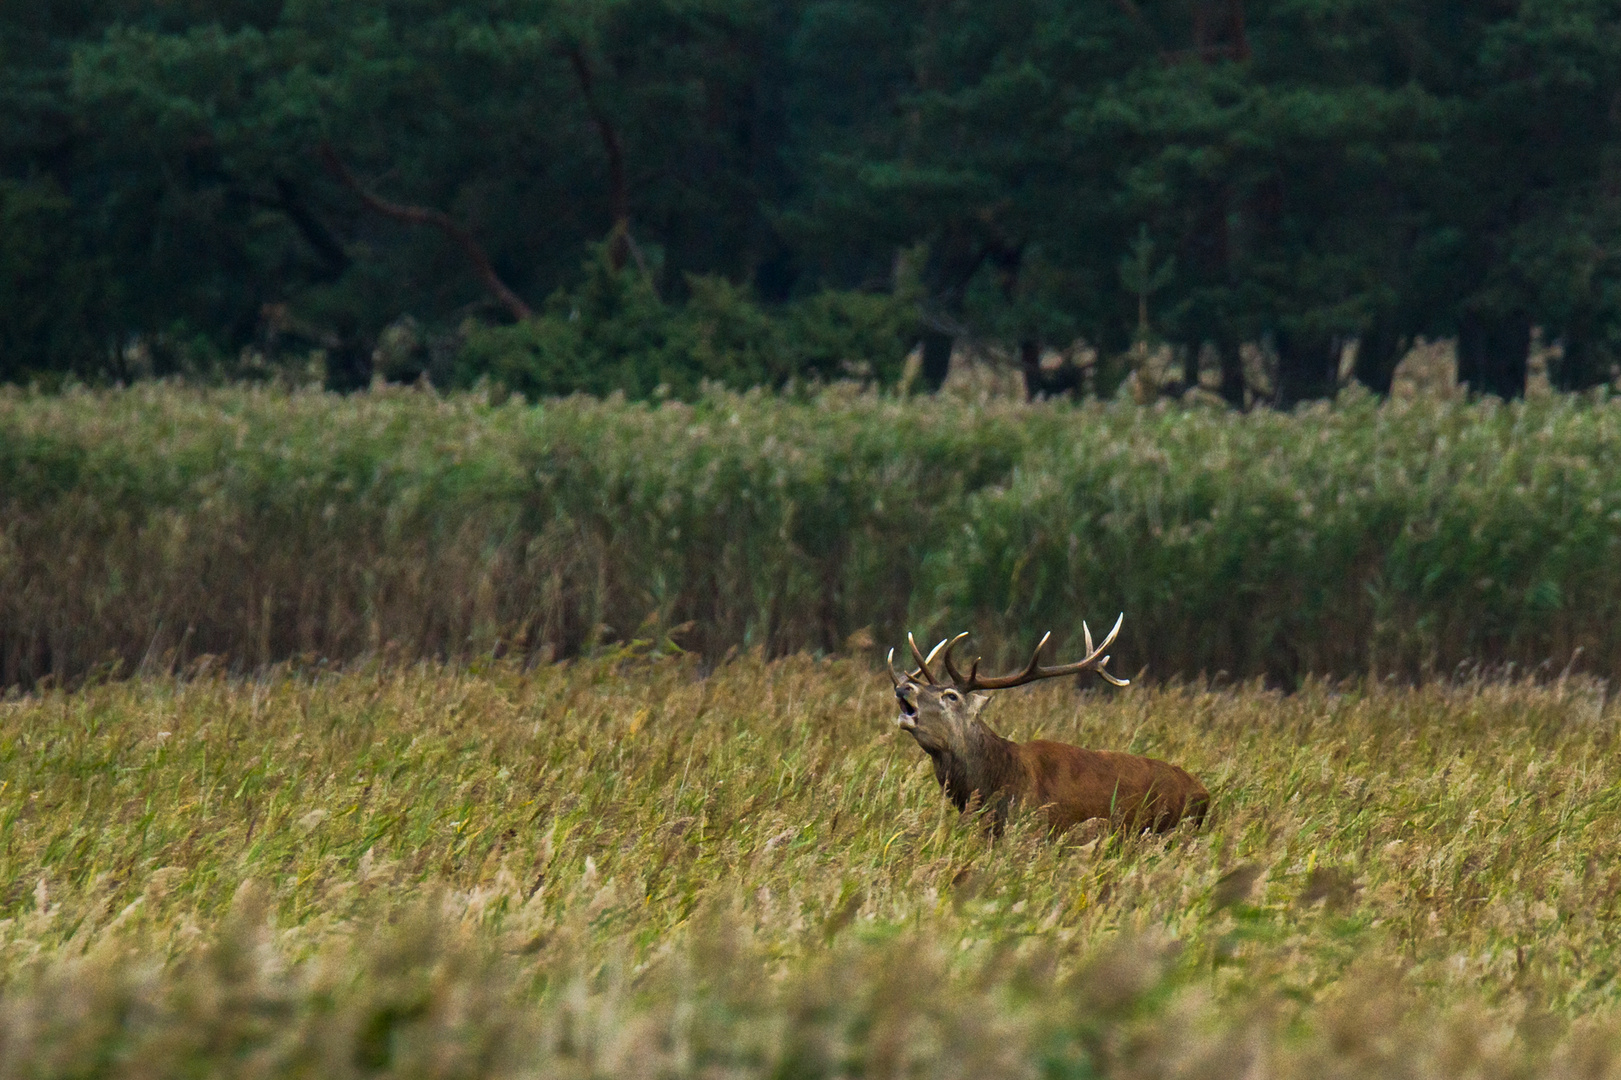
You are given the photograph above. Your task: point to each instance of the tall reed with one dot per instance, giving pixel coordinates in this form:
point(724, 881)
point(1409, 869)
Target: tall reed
point(142, 528)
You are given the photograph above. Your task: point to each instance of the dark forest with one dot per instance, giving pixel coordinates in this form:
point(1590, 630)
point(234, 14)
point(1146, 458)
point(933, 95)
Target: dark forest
point(644, 194)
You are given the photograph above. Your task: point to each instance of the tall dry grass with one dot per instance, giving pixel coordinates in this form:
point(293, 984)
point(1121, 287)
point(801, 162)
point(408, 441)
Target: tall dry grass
point(141, 529)
point(624, 868)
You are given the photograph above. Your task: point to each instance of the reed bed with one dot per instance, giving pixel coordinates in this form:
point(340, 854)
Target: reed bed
point(625, 866)
point(141, 529)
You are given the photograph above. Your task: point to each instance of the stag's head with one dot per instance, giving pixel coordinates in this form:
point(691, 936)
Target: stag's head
point(939, 713)
point(938, 716)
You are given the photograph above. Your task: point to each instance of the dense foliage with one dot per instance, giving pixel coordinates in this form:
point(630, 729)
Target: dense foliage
point(198, 187)
point(615, 334)
point(148, 526)
point(623, 869)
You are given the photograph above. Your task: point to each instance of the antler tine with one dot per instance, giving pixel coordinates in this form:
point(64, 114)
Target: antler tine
point(894, 676)
point(1114, 631)
point(1030, 673)
point(1035, 657)
point(1091, 653)
point(1032, 670)
point(1108, 678)
point(951, 669)
point(1093, 661)
point(922, 661)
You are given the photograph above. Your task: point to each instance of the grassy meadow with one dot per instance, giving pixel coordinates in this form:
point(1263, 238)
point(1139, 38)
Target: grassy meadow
point(626, 866)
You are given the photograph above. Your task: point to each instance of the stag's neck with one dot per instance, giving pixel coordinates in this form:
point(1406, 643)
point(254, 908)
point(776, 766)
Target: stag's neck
point(985, 765)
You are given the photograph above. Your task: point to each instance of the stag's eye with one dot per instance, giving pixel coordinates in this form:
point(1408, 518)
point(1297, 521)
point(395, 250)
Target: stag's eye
point(951, 695)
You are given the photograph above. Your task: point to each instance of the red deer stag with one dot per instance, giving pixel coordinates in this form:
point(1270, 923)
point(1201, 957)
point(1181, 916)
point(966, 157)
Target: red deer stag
point(977, 766)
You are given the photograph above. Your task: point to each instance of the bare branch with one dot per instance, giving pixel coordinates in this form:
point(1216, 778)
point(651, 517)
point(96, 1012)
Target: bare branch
point(438, 219)
point(620, 244)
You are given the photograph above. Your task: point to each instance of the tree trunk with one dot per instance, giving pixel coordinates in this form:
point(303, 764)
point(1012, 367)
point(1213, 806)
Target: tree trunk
point(622, 246)
point(953, 261)
point(1493, 351)
point(1308, 367)
point(349, 358)
point(937, 346)
point(1038, 383)
point(1378, 351)
point(290, 200)
point(1030, 365)
point(1584, 362)
point(1233, 383)
point(1218, 30)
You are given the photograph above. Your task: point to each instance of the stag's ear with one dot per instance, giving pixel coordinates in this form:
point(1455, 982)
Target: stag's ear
point(976, 704)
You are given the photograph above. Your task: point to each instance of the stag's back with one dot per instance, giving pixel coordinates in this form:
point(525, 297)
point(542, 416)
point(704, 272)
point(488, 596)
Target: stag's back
point(1073, 784)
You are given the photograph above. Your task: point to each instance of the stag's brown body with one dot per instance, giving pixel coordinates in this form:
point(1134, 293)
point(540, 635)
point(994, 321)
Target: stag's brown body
point(978, 768)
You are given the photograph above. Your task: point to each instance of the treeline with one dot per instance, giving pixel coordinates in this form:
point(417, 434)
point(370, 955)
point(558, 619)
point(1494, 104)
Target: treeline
point(141, 529)
point(214, 187)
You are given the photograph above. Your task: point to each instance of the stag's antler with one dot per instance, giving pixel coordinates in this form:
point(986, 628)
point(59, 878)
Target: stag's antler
point(1094, 661)
point(923, 662)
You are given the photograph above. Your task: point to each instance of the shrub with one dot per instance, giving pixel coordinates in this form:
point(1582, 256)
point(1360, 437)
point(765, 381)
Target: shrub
point(613, 333)
point(837, 334)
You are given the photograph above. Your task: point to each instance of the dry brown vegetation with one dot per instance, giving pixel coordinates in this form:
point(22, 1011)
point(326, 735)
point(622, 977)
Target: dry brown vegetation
point(621, 867)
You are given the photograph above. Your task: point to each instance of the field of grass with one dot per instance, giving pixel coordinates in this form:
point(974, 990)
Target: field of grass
point(625, 867)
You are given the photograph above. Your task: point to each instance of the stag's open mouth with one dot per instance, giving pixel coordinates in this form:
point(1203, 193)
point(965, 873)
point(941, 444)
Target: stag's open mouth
point(907, 720)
